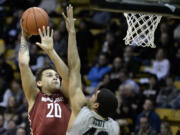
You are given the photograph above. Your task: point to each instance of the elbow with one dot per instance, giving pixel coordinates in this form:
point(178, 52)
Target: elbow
point(75, 65)
point(76, 68)
point(22, 64)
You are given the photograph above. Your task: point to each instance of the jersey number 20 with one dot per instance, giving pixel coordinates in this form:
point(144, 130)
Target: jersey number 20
point(57, 110)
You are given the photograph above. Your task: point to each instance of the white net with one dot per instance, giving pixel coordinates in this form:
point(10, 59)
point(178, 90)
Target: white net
point(141, 29)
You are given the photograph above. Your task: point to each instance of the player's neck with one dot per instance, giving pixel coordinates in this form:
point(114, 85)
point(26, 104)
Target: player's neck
point(49, 93)
point(95, 111)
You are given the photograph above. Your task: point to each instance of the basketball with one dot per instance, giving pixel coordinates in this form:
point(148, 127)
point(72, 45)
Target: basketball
point(33, 19)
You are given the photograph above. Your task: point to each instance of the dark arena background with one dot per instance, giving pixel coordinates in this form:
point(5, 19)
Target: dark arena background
point(146, 81)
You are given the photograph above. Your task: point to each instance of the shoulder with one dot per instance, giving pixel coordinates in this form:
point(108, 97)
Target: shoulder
point(114, 126)
point(113, 122)
point(85, 110)
point(33, 104)
point(86, 113)
point(39, 94)
point(66, 100)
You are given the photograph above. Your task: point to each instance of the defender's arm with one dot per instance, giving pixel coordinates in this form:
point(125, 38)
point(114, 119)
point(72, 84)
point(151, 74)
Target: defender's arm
point(77, 97)
point(62, 69)
point(47, 45)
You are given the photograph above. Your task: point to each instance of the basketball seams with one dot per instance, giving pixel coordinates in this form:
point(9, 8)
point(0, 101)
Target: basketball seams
point(43, 15)
point(34, 15)
point(33, 18)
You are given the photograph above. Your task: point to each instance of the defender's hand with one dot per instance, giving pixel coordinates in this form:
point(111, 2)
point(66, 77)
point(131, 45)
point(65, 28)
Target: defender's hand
point(46, 39)
point(69, 19)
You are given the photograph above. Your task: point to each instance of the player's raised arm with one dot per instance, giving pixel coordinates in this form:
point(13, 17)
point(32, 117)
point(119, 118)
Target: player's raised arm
point(28, 81)
point(47, 45)
point(77, 97)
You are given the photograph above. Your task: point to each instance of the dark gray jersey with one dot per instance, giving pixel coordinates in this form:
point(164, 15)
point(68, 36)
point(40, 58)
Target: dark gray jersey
point(89, 122)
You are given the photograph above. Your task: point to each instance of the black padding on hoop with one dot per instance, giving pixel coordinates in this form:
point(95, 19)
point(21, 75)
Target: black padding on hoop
point(164, 9)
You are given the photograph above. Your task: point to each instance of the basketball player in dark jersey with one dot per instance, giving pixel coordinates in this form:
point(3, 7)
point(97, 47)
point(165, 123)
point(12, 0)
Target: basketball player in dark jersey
point(89, 117)
point(48, 107)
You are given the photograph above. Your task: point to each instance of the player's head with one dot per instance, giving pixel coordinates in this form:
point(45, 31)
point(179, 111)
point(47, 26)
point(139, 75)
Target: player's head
point(104, 102)
point(48, 79)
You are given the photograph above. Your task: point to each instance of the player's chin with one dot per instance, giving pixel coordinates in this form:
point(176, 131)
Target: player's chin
point(56, 87)
point(55, 90)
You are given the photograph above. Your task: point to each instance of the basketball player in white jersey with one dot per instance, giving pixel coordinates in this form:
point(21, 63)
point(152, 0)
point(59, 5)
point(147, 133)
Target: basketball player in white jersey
point(87, 117)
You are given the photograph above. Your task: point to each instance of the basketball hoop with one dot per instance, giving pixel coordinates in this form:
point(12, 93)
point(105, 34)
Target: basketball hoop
point(141, 29)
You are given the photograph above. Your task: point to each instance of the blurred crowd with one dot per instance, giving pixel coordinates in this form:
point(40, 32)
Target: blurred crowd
point(141, 78)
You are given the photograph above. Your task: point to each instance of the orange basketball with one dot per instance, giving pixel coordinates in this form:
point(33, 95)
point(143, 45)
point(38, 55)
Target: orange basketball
point(33, 19)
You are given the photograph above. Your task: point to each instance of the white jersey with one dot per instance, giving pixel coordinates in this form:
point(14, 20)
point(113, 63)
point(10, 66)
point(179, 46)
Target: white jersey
point(90, 123)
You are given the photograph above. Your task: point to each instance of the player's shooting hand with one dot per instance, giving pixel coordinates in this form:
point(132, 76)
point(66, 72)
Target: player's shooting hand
point(24, 33)
point(46, 39)
point(69, 19)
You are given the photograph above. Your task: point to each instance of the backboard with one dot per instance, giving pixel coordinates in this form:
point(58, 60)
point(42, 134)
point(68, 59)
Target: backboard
point(169, 8)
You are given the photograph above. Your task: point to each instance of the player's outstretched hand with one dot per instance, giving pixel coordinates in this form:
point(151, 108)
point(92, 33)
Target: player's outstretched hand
point(69, 19)
point(46, 39)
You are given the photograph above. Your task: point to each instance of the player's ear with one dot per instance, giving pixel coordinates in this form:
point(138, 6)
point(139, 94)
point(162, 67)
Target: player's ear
point(95, 105)
point(39, 83)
